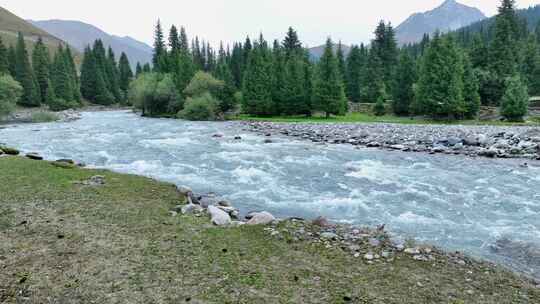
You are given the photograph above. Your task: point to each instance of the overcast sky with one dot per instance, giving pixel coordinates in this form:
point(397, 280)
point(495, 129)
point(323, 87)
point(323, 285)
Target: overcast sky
point(351, 21)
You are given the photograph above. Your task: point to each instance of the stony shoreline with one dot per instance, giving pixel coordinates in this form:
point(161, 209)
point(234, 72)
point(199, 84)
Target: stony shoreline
point(485, 141)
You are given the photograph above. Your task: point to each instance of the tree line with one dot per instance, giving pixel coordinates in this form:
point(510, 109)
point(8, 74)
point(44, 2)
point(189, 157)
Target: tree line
point(446, 76)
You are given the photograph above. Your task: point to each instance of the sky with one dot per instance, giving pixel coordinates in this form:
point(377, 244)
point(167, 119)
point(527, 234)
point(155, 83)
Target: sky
point(351, 21)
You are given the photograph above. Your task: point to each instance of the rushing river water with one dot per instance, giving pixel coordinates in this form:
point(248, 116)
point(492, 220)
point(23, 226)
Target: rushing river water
point(455, 202)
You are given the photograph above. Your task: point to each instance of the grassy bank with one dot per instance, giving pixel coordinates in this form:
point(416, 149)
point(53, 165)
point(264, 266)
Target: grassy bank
point(368, 118)
point(61, 242)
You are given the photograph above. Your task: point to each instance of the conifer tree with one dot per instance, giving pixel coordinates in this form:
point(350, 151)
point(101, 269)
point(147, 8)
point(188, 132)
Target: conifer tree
point(4, 63)
point(174, 40)
point(103, 96)
point(74, 77)
point(329, 94)
point(146, 68)
point(50, 96)
point(258, 80)
point(340, 56)
point(278, 67)
point(237, 64)
point(111, 70)
point(224, 73)
point(530, 68)
point(515, 101)
point(184, 44)
point(293, 92)
point(404, 90)
point(125, 74)
point(160, 51)
point(12, 61)
point(374, 77)
point(61, 80)
point(41, 64)
point(25, 76)
point(440, 86)
point(471, 89)
point(353, 74)
point(291, 43)
point(89, 71)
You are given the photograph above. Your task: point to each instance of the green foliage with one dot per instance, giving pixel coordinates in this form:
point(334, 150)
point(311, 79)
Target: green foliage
point(258, 81)
point(355, 69)
point(329, 94)
point(200, 108)
point(43, 116)
point(440, 86)
point(153, 93)
point(471, 87)
point(125, 74)
point(4, 63)
point(406, 77)
point(379, 109)
point(203, 83)
point(10, 93)
point(25, 76)
point(515, 101)
point(41, 63)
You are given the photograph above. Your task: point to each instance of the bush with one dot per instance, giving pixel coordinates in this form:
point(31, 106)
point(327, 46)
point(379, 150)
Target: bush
point(202, 83)
point(154, 93)
point(200, 108)
point(43, 116)
point(10, 93)
point(379, 108)
point(58, 104)
point(515, 101)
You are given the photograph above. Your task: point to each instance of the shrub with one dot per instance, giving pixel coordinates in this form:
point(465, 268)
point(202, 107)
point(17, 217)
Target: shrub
point(154, 93)
point(515, 101)
point(204, 83)
point(200, 108)
point(43, 116)
point(10, 93)
point(379, 108)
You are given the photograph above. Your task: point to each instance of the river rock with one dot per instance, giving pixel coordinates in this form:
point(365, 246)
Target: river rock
point(488, 153)
point(329, 236)
point(261, 218)
point(322, 222)
point(65, 160)
point(191, 209)
point(184, 190)
point(34, 156)
point(63, 165)
point(208, 200)
point(218, 216)
point(10, 151)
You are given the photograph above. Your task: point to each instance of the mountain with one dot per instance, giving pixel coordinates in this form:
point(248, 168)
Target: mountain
point(449, 16)
point(316, 52)
point(80, 35)
point(11, 25)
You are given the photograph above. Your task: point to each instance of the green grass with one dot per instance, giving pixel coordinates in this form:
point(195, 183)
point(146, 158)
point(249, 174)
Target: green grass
point(368, 118)
point(62, 242)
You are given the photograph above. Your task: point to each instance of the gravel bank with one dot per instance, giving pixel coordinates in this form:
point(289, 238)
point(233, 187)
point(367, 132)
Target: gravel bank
point(485, 141)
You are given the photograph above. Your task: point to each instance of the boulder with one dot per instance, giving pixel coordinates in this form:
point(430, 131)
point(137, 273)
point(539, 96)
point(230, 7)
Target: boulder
point(218, 216)
point(261, 218)
point(184, 190)
point(329, 236)
point(208, 200)
point(191, 209)
point(64, 160)
point(63, 165)
point(488, 153)
point(10, 151)
point(34, 156)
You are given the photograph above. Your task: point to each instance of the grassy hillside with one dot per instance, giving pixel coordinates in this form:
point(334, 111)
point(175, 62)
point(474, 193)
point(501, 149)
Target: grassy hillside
point(11, 25)
point(63, 241)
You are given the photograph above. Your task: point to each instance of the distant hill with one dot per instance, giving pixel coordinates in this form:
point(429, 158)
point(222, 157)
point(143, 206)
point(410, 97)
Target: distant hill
point(449, 16)
point(531, 15)
point(316, 52)
point(80, 34)
point(11, 25)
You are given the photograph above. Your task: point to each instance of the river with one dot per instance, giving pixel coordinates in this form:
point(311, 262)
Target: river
point(455, 202)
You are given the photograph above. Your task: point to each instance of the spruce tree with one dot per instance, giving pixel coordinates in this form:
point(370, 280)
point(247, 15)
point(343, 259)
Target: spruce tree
point(74, 77)
point(160, 51)
point(340, 56)
point(125, 74)
point(353, 74)
point(374, 77)
point(515, 101)
point(4, 62)
point(61, 80)
point(103, 96)
point(184, 44)
point(258, 81)
point(12, 61)
point(471, 89)
point(41, 64)
point(440, 86)
point(404, 90)
point(329, 94)
point(291, 43)
point(295, 100)
point(89, 71)
point(530, 67)
point(278, 66)
point(25, 76)
point(113, 75)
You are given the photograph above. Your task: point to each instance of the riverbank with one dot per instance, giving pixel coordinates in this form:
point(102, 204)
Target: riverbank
point(117, 241)
point(486, 141)
point(38, 115)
